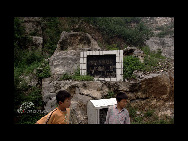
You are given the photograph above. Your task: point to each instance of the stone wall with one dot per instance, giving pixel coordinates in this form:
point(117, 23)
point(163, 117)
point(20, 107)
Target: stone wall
point(153, 92)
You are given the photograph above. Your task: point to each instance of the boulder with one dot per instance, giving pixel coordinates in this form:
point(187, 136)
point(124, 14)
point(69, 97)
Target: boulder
point(135, 52)
point(66, 58)
point(166, 45)
point(64, 62)
point(76, 41)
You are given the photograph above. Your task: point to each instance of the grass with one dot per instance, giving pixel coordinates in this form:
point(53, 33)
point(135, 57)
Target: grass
point(76, 76)
point(147, 117)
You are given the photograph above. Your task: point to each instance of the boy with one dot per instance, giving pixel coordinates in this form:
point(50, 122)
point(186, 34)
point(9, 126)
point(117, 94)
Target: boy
point(61, 114)
point(117, 114)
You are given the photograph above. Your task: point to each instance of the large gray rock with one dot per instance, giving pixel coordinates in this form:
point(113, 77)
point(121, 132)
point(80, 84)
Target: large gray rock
point(76, 41)
point(64, 61)
point(66, 57)
point(166, 45)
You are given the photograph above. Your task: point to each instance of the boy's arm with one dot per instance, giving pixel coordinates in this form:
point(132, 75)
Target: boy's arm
point(127, 121)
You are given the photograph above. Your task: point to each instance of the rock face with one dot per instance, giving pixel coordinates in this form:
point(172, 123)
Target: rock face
point(166, 45)
point(135, 52)
point(66, 57)
point(76, 41)
point(81, 92)
point(161, 25)
point(154, 91)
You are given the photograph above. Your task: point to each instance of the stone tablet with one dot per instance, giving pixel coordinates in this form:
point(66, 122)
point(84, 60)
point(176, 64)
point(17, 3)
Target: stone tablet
point(102, 65)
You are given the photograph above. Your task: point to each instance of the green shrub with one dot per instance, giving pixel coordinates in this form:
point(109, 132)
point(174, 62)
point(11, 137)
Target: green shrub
point(43, 71)
point(130, 64)
point(121, 27)
point(149, 113)
point(110, 94)
point(151, 58)
point(112, 47)
point(76, 76)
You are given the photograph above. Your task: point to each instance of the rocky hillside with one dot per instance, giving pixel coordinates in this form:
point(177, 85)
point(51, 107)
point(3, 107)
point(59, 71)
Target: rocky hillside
point(47, 54)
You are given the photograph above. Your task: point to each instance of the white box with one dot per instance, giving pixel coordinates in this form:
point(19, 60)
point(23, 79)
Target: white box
point(94, 107)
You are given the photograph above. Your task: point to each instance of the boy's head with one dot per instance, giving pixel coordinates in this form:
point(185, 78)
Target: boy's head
point(121, 98)
point(63, 98)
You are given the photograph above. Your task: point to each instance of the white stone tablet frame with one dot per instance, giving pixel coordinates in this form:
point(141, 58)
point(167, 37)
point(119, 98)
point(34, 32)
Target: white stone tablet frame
point(119, 63)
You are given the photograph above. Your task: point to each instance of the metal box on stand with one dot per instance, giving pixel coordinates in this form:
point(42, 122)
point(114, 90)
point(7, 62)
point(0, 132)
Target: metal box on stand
point(97, 110)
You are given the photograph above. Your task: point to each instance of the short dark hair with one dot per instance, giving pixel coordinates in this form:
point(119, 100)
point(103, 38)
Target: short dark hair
point(120, 96)
point(62, 95)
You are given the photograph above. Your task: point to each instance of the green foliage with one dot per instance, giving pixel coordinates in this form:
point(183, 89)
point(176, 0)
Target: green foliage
point(149, 113)
point(66, 76)
point(151, 58)
point(165, 30)
point(76, 76)
point(121, 27)
point(146, 117)
point(21, 40)
point(43, 71)
point(29, 118)
point(130, 64)
point(51, 29)
point(110, 94)
point(112, 47)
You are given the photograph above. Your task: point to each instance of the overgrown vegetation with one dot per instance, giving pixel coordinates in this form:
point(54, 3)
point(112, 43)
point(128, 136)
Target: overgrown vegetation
point(131, 63)
point(147, 117)
point(131, 29)
point(76, 76)
point(165, 30)
point(30, 61)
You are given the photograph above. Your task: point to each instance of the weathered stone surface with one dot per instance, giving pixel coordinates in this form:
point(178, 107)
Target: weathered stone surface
point(66, 57)
point(76, 41)
point(151, 92)
point(166, 45)
point(64, 61)
point(37, 42)
point(135, 52)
